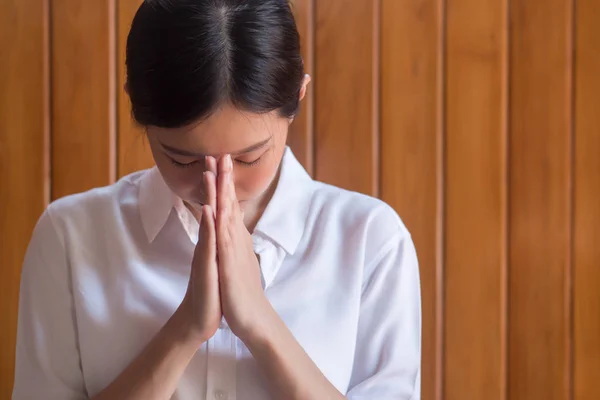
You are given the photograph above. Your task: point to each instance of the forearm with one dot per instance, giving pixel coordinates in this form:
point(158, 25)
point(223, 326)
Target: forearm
point(155, 373)
point(290, 371)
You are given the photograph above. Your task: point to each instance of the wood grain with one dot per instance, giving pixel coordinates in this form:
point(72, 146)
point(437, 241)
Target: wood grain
point(506, 227)
point(476, 203)
point(540, 205)
point(301, 135)
point(587, 204)
point(83, 95)
point(133, 150)
point(345, 122)
point(23, 155)
point(411, 160)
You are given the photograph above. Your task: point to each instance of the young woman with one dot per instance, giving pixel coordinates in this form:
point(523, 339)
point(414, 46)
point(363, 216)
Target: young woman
point(225, 272)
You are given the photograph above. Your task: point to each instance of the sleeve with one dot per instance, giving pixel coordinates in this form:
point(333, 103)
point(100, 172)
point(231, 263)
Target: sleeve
point(387, 363)
point(47, 355)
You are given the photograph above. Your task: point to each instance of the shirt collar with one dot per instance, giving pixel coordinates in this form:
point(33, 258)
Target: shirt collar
point(293, 192)
point(286, 214)
point(156, 201)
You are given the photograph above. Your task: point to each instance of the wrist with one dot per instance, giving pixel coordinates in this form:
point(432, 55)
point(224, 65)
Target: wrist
point(183, 330)
point(263, 332)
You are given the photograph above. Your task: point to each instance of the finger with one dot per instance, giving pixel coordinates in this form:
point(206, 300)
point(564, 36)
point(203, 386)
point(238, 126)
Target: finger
point(208, 235)
point(211, 164)
point(210, 186)
point(223, 237)
point(231, 188)
point(234, 205)
point(224, 164)
point(223, 202)
point(200, 252)
point(210, 271)
point(223, 208)
point(211, 191)
point(226, 167)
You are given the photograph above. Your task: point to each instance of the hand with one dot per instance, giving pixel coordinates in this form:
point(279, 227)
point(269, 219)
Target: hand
point(201, 306)
point(243, 300)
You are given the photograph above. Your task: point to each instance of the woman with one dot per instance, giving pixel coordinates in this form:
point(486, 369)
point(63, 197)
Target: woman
point(154, 288)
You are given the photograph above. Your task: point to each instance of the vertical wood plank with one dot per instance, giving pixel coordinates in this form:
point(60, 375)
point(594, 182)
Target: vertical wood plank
point(133, 150)
point(476, 203)
point(23, 155)
point(411, 162)
point(301, 137)
point(540, 209)
point(587, 204)
point(345, 141)
point(83, 95)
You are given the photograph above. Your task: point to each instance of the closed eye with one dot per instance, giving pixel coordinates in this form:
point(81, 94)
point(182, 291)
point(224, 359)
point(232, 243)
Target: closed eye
point(183, 165)
point(248, 163)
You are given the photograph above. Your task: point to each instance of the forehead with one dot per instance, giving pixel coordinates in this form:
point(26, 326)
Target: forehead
point(226, 131)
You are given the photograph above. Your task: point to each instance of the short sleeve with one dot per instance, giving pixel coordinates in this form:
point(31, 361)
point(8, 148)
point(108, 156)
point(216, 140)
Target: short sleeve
point(387, 362)
point(47, 355)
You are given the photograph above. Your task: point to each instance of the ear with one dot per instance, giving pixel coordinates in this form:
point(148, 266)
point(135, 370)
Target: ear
point(305, 83)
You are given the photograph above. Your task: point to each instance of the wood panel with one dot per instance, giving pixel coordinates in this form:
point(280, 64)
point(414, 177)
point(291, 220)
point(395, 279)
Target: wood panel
point(83, 95)
point(587, 204)
point(346, 94)
point(540, 209)
point(411, 158)
point(454, 84)
point(133, 150)
point(23, 155)
point(475, 209)
point(301, 138)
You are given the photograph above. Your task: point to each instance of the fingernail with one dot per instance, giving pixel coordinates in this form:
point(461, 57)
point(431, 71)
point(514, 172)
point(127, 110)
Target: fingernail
point(228, 162)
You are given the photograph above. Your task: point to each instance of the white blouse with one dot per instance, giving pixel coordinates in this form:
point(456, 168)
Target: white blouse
point(106, 269)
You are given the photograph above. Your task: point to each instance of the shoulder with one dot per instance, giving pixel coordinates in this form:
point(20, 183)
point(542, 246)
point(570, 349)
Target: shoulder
point(95, 203)
point(72, 218)
point(80, 217)
point(357, 214)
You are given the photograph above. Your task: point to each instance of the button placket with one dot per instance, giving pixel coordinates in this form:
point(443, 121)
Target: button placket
point(221, 366)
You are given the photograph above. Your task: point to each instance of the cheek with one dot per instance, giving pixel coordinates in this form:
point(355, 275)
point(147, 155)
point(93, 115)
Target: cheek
point(253, 182)
point(186, 183)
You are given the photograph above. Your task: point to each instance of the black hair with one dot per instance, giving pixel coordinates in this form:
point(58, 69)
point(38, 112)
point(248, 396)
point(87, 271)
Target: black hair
point(185, 58)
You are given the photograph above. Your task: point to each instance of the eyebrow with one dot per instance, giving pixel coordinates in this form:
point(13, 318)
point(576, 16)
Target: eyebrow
point(187, 153)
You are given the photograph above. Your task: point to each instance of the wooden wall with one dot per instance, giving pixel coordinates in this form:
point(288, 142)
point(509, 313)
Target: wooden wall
point(476, 119)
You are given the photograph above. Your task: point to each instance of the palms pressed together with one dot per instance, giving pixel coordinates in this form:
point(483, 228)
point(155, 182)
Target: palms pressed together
point(225, 278)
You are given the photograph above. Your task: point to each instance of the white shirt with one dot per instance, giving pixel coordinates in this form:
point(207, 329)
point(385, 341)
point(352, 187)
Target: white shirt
point(106, 269)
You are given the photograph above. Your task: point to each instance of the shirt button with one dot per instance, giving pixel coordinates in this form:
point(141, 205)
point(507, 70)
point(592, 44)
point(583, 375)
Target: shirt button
point(220, 395)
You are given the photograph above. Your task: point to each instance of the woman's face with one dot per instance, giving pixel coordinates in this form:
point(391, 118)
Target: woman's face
point(256, 143)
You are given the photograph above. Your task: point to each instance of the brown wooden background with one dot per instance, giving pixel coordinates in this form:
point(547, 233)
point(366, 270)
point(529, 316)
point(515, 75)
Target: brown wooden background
point(478, 120)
